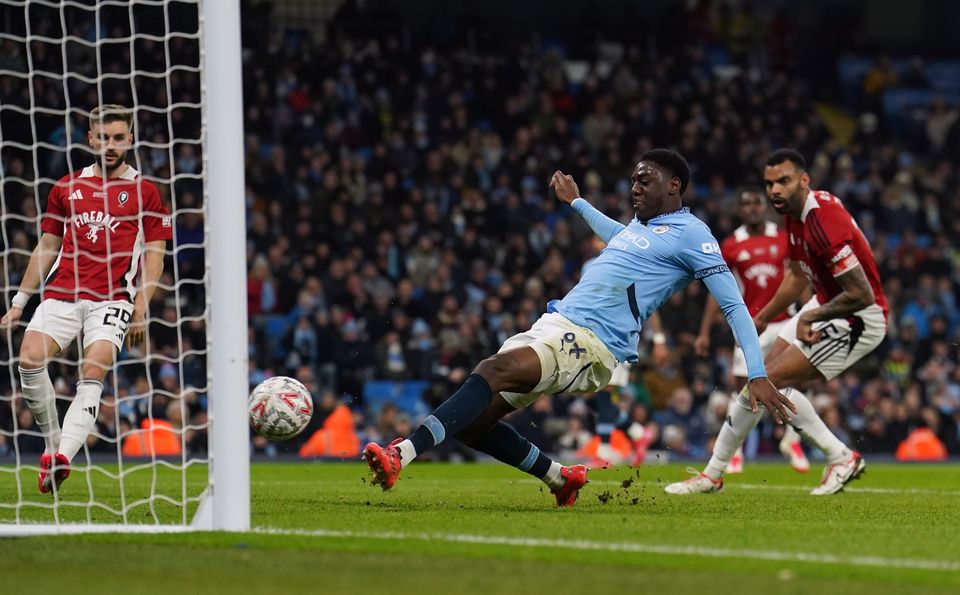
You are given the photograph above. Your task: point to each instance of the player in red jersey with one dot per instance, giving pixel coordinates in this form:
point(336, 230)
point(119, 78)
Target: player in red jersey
point(845, 320)
point(755, 253)
point(101, 226)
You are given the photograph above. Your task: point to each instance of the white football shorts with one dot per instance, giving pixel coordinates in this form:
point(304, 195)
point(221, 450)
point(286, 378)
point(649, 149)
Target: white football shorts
point(94, 321)
point(845, 340)
point(572, 358)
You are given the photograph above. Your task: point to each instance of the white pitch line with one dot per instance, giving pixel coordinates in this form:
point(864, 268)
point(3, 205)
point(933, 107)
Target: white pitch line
point(627, 546)
point(767, 486)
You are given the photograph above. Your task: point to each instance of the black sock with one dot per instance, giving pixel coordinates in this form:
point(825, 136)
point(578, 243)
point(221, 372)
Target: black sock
point(454, 414)
point(505, 444)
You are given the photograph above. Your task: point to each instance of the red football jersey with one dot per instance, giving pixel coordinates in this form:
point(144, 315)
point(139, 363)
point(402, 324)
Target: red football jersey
point(757, 261)
point(827, 243)
point(100, 223)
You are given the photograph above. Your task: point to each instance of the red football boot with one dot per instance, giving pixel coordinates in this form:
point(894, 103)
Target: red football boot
point(60, 472)
point(384, 462)
point(576, 477)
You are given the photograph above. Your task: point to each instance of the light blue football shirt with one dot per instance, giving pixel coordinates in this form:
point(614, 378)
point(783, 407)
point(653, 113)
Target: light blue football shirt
point(641, 267)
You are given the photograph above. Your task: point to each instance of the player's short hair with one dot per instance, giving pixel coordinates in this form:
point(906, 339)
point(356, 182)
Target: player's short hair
point(671, 161)
point(111, 112)
point(749, 190)
point(781, 155)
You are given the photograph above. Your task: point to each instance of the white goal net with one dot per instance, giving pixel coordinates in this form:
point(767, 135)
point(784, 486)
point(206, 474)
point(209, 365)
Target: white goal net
point(148, 459)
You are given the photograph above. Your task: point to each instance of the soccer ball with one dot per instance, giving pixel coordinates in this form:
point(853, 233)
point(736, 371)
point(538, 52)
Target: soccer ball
point(280, 408)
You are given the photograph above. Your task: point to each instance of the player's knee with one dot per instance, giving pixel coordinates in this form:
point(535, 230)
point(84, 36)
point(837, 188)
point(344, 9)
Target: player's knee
point(93, 371)
point(496, 370)
point(32, 356)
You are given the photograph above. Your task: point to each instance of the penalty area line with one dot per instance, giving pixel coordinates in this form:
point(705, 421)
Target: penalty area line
point(626, 546)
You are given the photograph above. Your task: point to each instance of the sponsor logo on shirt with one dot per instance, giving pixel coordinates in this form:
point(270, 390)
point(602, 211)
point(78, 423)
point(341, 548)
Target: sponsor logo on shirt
point(661, 229)
point(95, 221)
point(710, 248)
point(75, 195)
point(626, 237)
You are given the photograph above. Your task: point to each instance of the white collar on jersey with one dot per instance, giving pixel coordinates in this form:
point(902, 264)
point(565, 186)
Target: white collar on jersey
point(130, 174)
point(769, 229)
point(809, 205)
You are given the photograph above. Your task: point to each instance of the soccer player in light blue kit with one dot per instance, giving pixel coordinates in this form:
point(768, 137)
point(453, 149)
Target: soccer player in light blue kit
point(575, 346)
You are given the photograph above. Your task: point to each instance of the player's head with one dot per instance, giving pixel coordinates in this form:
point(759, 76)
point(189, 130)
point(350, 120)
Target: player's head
point(787, 181)
point(659, 180)
point(110, 135)
point(752, 207)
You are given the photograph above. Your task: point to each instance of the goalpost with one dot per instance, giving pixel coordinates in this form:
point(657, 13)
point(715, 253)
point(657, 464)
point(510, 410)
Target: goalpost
point(177, 64)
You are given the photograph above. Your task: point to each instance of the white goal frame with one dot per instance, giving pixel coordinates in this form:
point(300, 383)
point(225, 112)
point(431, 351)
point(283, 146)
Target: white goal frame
point(222, 99)
point(225, 504)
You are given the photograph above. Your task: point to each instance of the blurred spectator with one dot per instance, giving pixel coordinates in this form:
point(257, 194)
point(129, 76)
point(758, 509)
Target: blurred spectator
point(399, 227)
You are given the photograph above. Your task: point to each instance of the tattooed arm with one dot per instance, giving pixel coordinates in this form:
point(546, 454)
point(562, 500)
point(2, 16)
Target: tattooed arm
point(856, 295)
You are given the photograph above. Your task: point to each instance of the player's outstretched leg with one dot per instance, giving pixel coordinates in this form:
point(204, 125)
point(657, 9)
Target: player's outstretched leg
point(505, 444)
point(735, 465)
point(740, 421)
point(792, 448)
point(843, 464)
point(449, 418)
point(517, 370)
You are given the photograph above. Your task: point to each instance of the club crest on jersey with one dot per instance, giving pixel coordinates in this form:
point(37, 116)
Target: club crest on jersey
point(96, 221)
point(123, 197)
point(661, 229)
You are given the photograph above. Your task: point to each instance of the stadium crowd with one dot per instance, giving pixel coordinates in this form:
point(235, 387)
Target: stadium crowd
point(400, 228)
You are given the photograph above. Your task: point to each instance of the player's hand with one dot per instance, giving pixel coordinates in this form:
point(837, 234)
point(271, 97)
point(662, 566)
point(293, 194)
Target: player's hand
point(564, 186)
point(763, 391)
point(760, 323)
point(701, 345)
point(805, 331)
point(137, 330)
point(11, 317)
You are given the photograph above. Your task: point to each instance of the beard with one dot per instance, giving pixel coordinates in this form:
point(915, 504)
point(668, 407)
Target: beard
point(111, 165)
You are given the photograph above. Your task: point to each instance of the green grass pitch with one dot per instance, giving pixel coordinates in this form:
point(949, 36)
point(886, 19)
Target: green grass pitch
point(486, 528)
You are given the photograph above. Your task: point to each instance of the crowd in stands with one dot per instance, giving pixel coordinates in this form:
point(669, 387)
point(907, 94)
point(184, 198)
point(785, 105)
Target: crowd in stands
point(400, 228)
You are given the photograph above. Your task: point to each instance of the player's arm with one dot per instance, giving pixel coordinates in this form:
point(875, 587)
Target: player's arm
point(700, 255)
point(568, 192)
point(152, 270)
point(723, 287)
point(791, 289)
point(42, 258)
point(856, 295)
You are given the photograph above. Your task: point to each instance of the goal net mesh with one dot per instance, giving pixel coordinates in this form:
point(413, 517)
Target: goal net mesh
point(146, 461)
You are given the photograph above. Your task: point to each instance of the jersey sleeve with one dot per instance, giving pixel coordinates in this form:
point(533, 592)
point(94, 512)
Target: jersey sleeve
point(157, 222)
point(55, 217)
point(700, 254)
point(603, 226)
point(831, 241)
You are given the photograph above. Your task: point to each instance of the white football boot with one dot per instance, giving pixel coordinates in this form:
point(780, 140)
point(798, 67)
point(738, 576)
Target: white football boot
point(736, 462)
point(837, 475)
point(700, 483)
point(792, 449)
